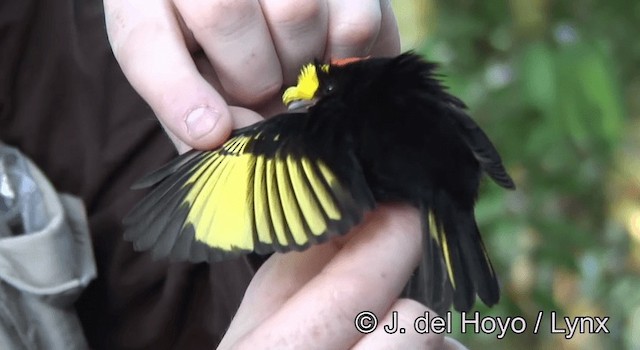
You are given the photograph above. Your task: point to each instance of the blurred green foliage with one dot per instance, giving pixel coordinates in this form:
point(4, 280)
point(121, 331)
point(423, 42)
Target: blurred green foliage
point(555, 84)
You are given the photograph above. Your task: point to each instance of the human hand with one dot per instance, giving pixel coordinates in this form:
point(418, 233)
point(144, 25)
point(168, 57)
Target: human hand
point(207, 67)
point(309, 300)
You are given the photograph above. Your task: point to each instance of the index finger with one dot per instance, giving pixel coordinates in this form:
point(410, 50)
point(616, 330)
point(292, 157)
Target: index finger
point(147, 42)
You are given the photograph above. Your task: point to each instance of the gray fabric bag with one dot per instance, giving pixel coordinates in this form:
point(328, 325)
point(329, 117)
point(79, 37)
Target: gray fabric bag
point(46, 259)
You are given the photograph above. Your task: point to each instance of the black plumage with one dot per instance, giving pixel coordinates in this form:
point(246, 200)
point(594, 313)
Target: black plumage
point(387, 131)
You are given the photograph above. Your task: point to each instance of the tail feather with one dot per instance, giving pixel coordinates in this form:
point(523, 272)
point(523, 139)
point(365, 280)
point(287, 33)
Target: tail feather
point(477, 261)
point(429, 283)
point(455, 266)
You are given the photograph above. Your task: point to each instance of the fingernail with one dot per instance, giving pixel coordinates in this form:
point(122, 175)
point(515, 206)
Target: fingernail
point(201, 121)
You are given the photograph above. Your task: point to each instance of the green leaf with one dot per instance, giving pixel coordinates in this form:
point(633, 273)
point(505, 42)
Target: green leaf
point(601, 90)
point(538, 76)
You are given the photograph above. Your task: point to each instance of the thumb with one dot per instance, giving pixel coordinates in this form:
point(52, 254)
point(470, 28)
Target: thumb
point(194, 115)
point(159, 66)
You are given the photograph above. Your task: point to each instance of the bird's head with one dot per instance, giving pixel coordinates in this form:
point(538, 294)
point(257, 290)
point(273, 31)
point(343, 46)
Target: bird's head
point(316, 80)
point(369, 80)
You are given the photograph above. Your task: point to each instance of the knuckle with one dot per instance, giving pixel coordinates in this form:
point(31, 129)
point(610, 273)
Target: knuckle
point(216, 14)
point(358, 29)
point(294, 11)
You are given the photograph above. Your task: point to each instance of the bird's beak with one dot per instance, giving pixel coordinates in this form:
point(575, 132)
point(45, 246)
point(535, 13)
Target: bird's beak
point(302, 95)
point(298, 105)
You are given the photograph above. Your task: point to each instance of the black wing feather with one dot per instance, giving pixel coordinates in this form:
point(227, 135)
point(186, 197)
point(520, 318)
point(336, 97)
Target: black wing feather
point(482, 148)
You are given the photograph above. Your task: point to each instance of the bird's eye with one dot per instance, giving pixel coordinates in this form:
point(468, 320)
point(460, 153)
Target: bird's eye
point(328, 88)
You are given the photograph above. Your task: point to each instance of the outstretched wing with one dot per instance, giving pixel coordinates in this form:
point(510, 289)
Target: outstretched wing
point(271, 187)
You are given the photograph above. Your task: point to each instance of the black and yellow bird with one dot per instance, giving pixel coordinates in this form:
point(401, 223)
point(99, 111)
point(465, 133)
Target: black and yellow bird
point(358, 132)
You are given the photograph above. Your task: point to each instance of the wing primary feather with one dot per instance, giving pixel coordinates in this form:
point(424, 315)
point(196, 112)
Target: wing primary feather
point(347, 208)
point(281, 185)
point(144, 223)
point(182, 246)
point(322, 190)
point(324, 197)
point(239, 145)
point(183, 208)
point(270, 197)
point(331, 228)
point(204, 217)
point(138, 220)
point(275, 208)
point(204, 185)
point(349, 211)
point(197, 251)
point(170, 232)
point(298, 230)
point(147, 232)
point(157, 194)
point(166, 170)
point(174, 223)
point(315, 219)
point(251, 202)
point(231, 146)
point(309, 236)
point(262, 218)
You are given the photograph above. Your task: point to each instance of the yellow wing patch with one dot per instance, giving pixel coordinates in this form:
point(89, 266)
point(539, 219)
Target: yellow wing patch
point(242, 201)
point(266, 189)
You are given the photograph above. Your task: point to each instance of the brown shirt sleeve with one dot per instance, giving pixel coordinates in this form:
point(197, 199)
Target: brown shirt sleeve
point(65, 103)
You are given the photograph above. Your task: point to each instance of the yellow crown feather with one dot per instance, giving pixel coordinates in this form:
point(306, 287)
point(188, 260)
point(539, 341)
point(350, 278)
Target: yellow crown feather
point(307, 84)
